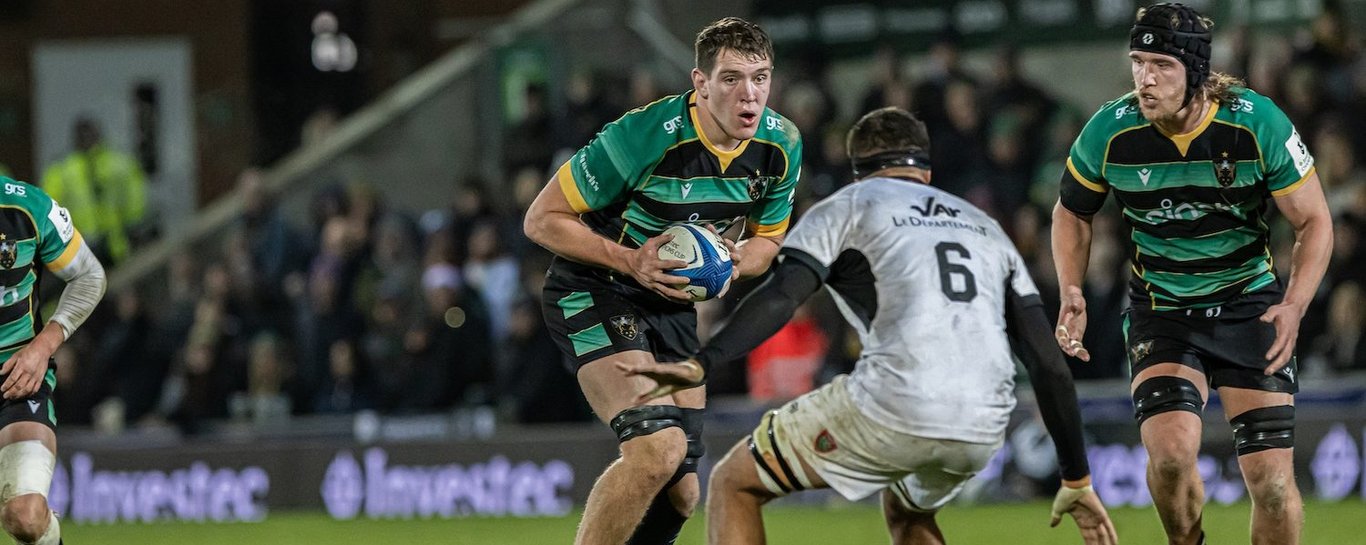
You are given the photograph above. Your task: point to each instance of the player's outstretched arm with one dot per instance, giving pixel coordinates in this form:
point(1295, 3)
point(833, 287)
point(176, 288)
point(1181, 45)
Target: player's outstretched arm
point(1093, 521)
point(1071, 252)
point(668, 377)
point(1057, 398)
point(552, 223)
point(758, 317)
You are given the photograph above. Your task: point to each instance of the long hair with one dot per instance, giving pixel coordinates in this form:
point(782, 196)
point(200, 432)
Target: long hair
point(1223, 87)
point(1218, 86)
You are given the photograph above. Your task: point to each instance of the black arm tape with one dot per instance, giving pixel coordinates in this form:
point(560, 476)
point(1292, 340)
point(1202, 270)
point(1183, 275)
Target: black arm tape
point(645, 420)
point(1158, 395)
point(1263, 429)
point(1033, 343)
point(762, 313)
point(1077, 198)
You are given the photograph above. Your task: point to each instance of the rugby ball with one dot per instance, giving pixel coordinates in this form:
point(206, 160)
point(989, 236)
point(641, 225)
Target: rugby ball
point(708, 268)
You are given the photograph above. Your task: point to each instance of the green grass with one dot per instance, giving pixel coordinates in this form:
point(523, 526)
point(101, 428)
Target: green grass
point(1327, 524)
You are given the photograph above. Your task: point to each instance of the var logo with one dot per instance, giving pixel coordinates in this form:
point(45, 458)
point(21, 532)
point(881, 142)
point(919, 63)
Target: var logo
point(932, 208)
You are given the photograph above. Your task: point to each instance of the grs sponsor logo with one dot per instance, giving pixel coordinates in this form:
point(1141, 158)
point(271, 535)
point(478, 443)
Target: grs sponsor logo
point(1125, 110)
point(1299, 154)
point(197, 493)
point(671, 126)
point(1240, 105)
point(1185, 211)
point(14, 189)
point(497, 487)
point(773, 123)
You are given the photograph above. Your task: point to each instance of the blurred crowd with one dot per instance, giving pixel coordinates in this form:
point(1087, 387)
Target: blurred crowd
point(359, 306)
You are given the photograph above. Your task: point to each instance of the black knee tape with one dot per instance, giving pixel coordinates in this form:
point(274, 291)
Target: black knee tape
point(692, 427)
point(1158, 395)
point(661, 524)
point(1263, 429)
point(645, 420)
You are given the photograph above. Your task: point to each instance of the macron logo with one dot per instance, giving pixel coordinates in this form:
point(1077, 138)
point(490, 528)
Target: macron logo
point(33, 406)
point(687, 188)
point(1143, 176)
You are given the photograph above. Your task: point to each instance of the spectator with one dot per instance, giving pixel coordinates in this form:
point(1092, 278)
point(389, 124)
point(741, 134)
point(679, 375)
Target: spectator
point(265, 400)
point(1341, 346)
point(347, 388)
point(1015, 100)
point(327, 312)
point(536, 382)
point(888, 85)
point(448, 359)
point(930, 96)
point(493, 273)
point(105, 190)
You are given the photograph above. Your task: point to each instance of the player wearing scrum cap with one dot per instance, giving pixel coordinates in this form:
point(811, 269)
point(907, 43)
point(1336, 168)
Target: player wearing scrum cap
point(1191, 157)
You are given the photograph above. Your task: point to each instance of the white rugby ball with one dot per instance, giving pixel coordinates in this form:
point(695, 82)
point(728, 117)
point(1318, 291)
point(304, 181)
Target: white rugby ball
point(708, 268)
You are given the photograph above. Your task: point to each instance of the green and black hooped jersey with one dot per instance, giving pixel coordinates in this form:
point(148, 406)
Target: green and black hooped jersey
point(34, 230)
point(1194, 202)
point(653, 168)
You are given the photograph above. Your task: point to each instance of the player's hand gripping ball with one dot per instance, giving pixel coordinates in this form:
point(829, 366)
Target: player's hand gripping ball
point(708, 268)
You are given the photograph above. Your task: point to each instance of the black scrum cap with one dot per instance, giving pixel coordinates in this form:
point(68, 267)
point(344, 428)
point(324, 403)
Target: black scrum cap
point(1176, 30)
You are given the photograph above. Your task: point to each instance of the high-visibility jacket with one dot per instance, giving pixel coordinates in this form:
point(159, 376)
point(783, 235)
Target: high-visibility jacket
point(106, 193)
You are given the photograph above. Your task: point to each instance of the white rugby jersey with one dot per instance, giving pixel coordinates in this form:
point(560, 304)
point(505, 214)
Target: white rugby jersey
point(922, 275)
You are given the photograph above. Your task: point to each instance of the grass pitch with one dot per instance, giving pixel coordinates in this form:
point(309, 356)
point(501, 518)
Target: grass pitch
point(1026, 524)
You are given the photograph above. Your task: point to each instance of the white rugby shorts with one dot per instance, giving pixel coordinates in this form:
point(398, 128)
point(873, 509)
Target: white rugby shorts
point(857, 456)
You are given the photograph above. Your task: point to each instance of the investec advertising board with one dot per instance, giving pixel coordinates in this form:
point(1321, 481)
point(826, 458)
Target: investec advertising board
point(532, 476)
point(244, 483)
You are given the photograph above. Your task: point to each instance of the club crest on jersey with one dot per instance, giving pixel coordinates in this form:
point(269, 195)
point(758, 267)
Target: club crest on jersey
point(757, 184)
point(825, 442)
point(1140, 350)
point(625, 326)
point(1225, 171)
point(8, 251)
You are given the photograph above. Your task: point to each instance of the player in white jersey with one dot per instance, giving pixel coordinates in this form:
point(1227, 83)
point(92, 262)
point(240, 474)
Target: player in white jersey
point(937, 293)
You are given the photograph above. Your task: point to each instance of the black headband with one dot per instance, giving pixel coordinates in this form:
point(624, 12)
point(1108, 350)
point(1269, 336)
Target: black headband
point(866, 166)
point(1189, 42)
